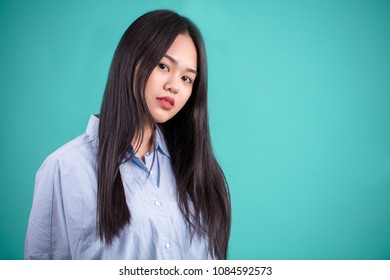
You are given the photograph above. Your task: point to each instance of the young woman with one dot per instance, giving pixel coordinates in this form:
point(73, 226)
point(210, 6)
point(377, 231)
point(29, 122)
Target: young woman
point(142, 182)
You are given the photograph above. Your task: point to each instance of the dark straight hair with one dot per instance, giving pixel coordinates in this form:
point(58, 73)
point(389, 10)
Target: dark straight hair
point(202, 190)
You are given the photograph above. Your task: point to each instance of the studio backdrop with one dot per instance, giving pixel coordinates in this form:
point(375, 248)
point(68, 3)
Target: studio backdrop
point(299, 102)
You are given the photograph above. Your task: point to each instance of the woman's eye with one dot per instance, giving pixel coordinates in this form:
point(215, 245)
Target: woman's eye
point(163, 66)
point(187, 79)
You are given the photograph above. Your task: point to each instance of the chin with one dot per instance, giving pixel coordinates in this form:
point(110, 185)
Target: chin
point(162, 116)
point(161, 119)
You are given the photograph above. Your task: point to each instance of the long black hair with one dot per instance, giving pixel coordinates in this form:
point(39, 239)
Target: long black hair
point(202, 190)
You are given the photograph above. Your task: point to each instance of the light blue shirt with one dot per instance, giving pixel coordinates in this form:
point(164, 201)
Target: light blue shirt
point(62, 222)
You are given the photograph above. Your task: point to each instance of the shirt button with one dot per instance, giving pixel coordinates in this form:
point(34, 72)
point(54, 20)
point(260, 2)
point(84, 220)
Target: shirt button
point(157, 203)
point(167, 245)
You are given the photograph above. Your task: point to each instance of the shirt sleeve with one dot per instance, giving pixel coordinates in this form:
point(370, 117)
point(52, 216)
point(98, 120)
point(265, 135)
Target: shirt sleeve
point(47, 235)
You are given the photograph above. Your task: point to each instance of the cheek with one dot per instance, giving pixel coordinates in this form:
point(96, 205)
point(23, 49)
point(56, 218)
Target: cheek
point(153, 81)
point(185, 97)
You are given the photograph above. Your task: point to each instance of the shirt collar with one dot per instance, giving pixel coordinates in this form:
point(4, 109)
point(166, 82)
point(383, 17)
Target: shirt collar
point(160, 143)
point(93, 132)
point(93, 128)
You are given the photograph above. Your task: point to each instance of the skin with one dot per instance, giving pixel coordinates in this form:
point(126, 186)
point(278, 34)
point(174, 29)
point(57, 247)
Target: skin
point(173, 77)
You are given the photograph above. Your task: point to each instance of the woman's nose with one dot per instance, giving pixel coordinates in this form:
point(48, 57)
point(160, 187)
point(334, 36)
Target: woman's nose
point(171, 85)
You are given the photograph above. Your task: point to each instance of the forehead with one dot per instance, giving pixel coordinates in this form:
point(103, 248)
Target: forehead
point(184, 52)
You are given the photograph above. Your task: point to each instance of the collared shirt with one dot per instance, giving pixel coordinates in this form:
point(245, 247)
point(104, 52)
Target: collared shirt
point(62, 222)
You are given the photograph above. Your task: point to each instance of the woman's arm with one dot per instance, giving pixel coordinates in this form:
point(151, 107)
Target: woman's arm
point(47, 236)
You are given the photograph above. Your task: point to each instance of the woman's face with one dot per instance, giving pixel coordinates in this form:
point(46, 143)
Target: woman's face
point(170, 83)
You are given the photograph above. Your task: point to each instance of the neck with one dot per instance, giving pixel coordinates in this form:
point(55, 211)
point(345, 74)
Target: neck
point(146, 143)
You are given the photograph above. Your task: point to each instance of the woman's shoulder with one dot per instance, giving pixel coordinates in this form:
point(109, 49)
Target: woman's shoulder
point(78, 151)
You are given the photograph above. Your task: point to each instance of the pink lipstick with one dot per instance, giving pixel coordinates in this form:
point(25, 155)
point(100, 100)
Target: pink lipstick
point(166, 102)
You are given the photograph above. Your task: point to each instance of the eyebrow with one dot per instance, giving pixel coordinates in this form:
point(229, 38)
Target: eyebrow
point(174, 61)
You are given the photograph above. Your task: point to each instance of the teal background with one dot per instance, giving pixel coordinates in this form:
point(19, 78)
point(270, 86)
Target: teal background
point(299, 111)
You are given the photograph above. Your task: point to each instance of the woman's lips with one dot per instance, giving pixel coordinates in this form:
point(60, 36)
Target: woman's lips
point(166, 102)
